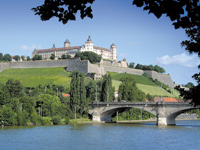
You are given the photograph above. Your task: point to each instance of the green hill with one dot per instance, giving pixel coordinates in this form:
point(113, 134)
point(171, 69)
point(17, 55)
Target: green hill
point(143, 84)
point(32, 77)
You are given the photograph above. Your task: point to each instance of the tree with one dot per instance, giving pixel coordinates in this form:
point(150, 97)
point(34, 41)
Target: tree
point(131, 65)
point(52, 57)
point(65, 10)
point(23, 58)
point(7, 57)
point(138, 66)
point(68, 56)
point(15, 88)
point(107, 91)
point(78, 93)
point(158, 69)
point(128, 90)
point(83, 100)
point(63, 56)
point(91, 56)
point(1, 56)
point(16, 57)
point(189, 85)
point(28, 58)
point(37, 57)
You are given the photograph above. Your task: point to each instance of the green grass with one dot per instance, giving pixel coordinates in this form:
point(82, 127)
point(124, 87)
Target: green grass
point(138, 78)
point(32, 77)
point(156, 90)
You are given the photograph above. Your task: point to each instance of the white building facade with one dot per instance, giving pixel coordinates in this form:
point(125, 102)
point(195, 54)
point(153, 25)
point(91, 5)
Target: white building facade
point(105, 53)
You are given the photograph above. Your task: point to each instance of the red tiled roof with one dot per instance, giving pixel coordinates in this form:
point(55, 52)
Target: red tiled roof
point(169, 99)
point(58, 49)
point(66, 95)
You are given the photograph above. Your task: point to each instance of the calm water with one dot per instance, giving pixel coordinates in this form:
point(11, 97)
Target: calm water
point(184, 136)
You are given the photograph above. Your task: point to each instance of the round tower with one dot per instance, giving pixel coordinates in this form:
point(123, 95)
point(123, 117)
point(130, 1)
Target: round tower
point(67, 43)
point(113, 48)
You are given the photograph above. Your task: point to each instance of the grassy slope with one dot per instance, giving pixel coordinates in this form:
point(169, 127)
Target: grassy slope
point(32, 77)
point(143, 84)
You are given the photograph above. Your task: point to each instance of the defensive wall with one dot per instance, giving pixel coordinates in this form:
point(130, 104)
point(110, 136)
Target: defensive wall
point(34, 64)
point(87, 68)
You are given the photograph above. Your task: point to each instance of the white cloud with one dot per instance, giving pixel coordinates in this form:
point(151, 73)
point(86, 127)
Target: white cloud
point(122, 54)
point(30, 48)
point(183, 59)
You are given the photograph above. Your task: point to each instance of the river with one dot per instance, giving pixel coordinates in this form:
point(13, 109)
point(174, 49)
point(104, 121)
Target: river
point(114, 136)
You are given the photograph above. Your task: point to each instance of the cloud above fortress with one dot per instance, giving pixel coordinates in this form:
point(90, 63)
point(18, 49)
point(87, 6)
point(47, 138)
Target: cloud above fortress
point(30, 48)
point(183, 59)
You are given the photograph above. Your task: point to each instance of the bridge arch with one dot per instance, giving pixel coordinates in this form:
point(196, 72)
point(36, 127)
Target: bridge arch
point(171, 115)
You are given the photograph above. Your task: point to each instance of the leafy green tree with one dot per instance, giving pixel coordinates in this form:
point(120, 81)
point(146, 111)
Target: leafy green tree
point(23, 58)
point(138, 66)
point(50, 105)
point(5, 97)
point(57, 8)
point(189, 85)
point(63, 56)
point(28, 104)
point(159, 69)
point(78, 93)
point(37, 57)
point(1, 56)
point(15, 88)
point(7, 57)
point(16, 57)
point(107, 91)
point(91, 56)
point(131, 65)
point(91, 91)
point(52, 57)
point(128, 90)
point(68, 56)
point(28, 58)
point(83, 100)
point(8, 116)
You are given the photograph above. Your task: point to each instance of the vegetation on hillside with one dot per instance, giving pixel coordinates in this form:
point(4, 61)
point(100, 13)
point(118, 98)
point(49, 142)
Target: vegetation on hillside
point(91, 56)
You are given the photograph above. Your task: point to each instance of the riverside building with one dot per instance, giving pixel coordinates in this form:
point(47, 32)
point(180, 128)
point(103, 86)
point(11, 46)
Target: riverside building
point(105, 53)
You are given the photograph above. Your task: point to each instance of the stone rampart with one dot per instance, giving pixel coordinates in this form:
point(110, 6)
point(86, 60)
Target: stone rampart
point(76, 64)
point(4, 66)
point(114, 63)
point(39, 64)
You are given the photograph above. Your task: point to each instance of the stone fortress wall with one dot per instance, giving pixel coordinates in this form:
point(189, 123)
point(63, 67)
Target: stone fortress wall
point(34, 64)
point(87, 68)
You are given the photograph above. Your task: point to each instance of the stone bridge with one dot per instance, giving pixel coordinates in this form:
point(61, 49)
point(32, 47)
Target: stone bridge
point(165, 112)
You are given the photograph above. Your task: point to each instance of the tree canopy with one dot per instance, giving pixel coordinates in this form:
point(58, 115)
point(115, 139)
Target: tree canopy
point(91, 56)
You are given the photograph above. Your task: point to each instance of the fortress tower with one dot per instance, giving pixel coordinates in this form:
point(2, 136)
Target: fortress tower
point(89, 45)
point(113, 48)
point(67, 43)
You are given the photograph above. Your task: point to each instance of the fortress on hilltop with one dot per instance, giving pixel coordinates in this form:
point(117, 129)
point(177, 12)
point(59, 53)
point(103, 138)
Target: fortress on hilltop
point(105, 53)
point(92, 70)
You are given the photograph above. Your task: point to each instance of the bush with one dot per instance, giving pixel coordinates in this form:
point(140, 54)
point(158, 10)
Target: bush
point(56, 120)
point(67, 120)
point(45, 121)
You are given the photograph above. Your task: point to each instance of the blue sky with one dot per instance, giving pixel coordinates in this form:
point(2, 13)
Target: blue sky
point(139, 37)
